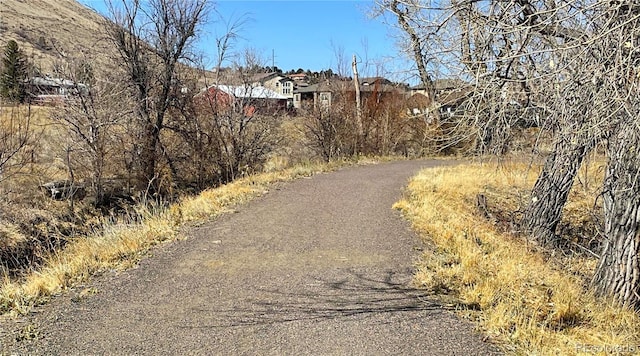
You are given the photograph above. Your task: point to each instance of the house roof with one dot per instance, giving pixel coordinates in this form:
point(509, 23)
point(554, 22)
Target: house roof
point(373, 80)
point(443, 84)
point(53, 82)
point(326, 86)
point(261, 77)
point(330, 86)
point(285, 79)
point(249, 91)
point(382, 88)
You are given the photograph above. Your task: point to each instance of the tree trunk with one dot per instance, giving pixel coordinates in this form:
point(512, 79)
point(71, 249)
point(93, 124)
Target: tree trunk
point(551, 191)
point(618, 272)
point(147, 179)
point(98, 170)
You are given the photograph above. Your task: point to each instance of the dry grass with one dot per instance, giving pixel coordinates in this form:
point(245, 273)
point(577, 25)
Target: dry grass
point(118, 245)
point(528, 300)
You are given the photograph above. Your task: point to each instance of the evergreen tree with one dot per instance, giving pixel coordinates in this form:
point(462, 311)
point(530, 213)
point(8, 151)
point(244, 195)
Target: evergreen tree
point(14, 72)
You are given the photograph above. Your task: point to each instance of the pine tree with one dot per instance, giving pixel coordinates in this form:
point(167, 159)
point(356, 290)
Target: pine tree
point(14, 73)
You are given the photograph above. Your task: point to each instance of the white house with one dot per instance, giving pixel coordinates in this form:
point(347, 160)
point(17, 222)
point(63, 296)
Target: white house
point(277, 82)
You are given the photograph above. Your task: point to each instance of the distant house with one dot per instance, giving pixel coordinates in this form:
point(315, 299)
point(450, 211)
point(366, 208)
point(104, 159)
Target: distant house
point(318, 95)
point(440, 86)
point(450, 101)
point(417, 104)
point(323, 95)
point(249, 98)
point(49, 90)
point(278, 82)
point(450, 93)
point(299, 77)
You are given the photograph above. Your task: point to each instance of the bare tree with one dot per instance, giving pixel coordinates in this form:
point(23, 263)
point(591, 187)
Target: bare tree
point(405, 12)
point(92, 116)
point(570, 65)
point(342, 61)
point(618, 273)
point(246, 118)
point(358, 100)
point(232, 125)
point(154, 39)
point(507, 62)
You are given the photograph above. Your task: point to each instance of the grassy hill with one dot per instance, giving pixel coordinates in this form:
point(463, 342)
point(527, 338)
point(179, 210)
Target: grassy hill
point(49, 31)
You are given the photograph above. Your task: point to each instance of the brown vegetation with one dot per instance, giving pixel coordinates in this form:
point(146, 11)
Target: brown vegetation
point(387, 127)
point(530, 299)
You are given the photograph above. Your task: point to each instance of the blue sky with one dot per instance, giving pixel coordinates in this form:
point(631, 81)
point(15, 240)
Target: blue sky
point(306, 34)
point(302, 33)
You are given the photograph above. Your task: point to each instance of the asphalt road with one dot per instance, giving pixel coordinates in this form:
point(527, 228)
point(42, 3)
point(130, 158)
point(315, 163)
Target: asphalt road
point(318, 266)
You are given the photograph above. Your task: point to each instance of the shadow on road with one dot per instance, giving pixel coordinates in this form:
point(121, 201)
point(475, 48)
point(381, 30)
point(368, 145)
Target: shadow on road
point(362, 294)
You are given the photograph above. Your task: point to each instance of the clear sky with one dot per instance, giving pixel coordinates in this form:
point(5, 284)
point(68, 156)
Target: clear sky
point(306, 34)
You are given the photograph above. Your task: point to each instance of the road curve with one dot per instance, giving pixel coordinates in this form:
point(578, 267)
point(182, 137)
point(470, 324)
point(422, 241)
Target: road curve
point(318, 266)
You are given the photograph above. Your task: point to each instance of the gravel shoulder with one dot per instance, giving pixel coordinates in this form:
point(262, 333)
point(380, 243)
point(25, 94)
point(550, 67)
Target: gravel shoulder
point(319, 266)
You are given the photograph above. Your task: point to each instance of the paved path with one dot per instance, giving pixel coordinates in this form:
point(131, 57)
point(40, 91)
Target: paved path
point(318, 266)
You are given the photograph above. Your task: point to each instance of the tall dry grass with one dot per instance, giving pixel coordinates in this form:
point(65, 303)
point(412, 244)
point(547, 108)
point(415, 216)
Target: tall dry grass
point(120, 244)
point(529, 300)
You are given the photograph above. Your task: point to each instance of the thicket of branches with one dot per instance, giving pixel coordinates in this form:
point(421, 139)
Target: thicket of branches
point(566, 67)
point(387, 125)
point(132, 133)
point(146, 125)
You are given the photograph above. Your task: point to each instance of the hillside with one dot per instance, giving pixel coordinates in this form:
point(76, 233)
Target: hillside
point(50, 30)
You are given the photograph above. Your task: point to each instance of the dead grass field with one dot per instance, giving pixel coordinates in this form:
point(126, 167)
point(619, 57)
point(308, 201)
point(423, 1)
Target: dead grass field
point(530, 300)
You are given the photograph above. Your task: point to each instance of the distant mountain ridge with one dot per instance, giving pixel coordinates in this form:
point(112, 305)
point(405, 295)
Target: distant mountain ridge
point(51, 31)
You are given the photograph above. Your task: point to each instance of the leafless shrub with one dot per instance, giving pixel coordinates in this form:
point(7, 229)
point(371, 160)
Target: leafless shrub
point(93, 118)
point(330, 132)
point(241, 125)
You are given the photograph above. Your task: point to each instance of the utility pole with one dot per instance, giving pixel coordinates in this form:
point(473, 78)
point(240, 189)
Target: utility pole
point(356, 82)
